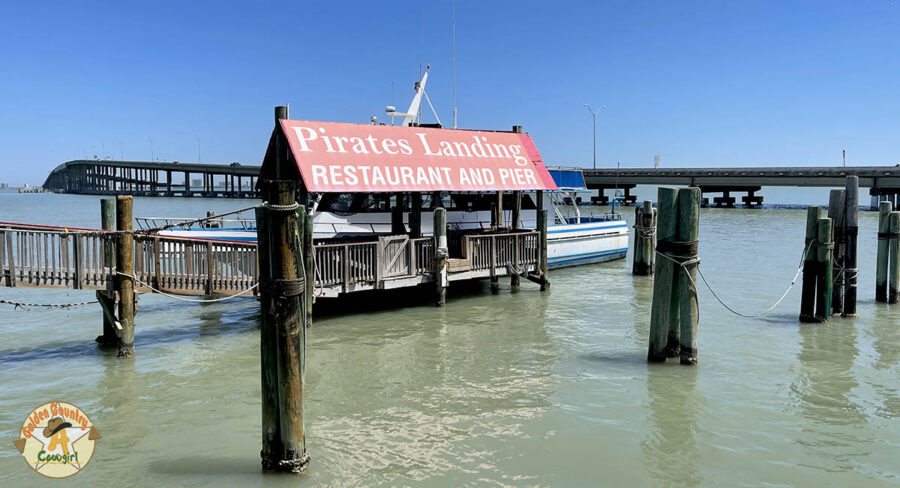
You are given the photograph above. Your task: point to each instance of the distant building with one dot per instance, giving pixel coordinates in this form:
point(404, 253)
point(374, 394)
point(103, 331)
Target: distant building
point(4, 186)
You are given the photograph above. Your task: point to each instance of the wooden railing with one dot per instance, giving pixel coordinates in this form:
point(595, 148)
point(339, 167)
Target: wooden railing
point(346, 264)
point(493, 251)
point(76, 258)
point(52, 258)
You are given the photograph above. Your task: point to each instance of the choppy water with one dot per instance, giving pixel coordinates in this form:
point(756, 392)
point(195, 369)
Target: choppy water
point(525, 389)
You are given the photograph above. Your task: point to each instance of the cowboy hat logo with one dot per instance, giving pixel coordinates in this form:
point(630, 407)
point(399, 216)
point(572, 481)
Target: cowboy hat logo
point(57, 439)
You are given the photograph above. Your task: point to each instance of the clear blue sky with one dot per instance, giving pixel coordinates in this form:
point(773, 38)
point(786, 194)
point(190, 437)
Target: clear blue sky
point(700, 83)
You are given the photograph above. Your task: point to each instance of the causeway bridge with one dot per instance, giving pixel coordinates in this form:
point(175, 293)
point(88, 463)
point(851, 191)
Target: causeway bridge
point(153, 179)
point(883, 181)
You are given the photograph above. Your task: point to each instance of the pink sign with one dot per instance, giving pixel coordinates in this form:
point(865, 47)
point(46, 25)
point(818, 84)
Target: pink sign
point(338, 157)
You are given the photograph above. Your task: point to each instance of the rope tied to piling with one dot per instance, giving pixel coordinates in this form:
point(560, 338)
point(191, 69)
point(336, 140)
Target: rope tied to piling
point(696, 260)
point(283, 287)
point(26, 306)
point(282, 208)
point(183, 299)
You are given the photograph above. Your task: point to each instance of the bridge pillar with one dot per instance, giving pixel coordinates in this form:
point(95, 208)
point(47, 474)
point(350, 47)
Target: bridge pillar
point(752, 200)
point(187, 184)
point(725, 200)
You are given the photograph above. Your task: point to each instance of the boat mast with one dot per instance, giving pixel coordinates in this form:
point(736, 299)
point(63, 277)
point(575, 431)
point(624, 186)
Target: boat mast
point(453, 59)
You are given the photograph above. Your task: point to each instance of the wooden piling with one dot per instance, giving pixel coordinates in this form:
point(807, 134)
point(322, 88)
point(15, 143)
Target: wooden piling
point(808, 294)
point(666, 227)
point(516, 224)
point(309, 260)
point(881, 268)
point(685, 292)
point(415, 216)
point(824, 276)
point(125, 274)
point(282, 341)
point(836, 209)
point(397, 227)
point(441, 254)
point(851, 231)
point(644, 227)
point(107, 298)
point(542, 242)
point(894, 256)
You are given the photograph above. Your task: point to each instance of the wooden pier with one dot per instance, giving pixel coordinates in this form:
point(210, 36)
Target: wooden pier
point(153, 179)
point(57, 257)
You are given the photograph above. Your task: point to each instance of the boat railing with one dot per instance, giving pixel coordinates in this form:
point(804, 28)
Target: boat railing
point(145, 223)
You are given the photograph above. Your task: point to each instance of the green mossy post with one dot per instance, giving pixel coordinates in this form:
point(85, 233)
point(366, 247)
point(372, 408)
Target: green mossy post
point(836, 209)
point(894, 253)
point(441, 254)
point(808, 295)
point(283, 317)
point(851, 231)
point(281, 253)
point(125, 272)
point(824, 277)
point(644, 224)
point(660, 309)
point(881, 267)
point(685, 293)
point(107, 298)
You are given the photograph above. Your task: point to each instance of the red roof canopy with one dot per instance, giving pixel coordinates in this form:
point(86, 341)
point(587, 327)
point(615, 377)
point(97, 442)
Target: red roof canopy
point(342, 158)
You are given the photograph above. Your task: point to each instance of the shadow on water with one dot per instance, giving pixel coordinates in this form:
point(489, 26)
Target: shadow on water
point(823, 388)
point(670, 448)
point(210, 324)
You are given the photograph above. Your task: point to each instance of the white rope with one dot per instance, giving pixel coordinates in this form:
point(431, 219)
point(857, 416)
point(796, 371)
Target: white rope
point(192, 300)
point(696, 260)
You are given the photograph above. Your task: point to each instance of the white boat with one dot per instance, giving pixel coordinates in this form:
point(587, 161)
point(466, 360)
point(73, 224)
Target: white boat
point(572, 238)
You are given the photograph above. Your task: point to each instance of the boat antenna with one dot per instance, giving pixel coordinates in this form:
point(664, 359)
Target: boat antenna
point(453, 59)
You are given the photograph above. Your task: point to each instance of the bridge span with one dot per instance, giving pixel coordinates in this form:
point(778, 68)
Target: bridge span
point(883, 181)
point(153, 179)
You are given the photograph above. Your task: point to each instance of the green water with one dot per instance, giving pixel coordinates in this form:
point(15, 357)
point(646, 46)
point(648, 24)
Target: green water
point(525, 389)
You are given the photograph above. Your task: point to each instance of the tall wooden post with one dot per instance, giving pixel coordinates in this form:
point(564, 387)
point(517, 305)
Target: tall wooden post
point(500, 208)
point(808, 294)
point(415, 215)
point(836, 209)
point(441, 254)
point(894, 254)
point(881, 268)
point(283, 336)
point(125, 274)
point(107, 298)
point(825, 231)
point(685, 278)
point(644, 222)
point(660, 312)
point(542, 242)
point(851, 230)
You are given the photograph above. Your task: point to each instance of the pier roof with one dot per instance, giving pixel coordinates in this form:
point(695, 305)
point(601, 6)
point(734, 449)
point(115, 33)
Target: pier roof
point(348, 158)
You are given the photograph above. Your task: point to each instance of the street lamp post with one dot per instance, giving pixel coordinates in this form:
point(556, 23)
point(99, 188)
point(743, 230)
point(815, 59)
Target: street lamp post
point(594, 116)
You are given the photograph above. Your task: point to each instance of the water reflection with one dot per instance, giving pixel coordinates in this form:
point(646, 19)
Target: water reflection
point(670, 447)
point(437, 394)
point(823, 388)
point(887, 346)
